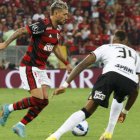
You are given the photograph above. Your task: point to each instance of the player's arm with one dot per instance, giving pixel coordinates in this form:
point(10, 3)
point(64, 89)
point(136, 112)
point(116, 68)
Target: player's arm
point(131, 100)
point(90, 59)
point(14, 36)
point(59, 55)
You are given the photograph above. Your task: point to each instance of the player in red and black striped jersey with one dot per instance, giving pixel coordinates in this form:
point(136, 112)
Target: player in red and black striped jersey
point(45, 36)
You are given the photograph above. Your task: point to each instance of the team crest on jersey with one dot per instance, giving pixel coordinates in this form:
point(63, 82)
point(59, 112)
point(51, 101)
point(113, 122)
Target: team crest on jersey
point(48, 47)
point(34, 27)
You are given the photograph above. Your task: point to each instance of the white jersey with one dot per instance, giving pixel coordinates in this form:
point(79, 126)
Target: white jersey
point(119, 58)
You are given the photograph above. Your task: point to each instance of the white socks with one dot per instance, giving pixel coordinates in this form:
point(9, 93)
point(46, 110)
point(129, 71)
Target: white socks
point(70, 123)
point(115, 111)
point(11, 108)
point(79, 116)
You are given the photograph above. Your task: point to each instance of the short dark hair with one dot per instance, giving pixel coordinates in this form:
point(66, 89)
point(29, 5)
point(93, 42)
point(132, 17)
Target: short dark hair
point(58, 4)
point(121, 35)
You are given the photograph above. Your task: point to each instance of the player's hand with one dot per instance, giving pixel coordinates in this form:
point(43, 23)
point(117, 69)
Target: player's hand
point(59, 90)
point(122, 117)
point(69, 68)
point(3, 46)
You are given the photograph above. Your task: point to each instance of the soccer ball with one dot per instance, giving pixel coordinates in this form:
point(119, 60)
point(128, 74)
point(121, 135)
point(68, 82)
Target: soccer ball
point(81, 129)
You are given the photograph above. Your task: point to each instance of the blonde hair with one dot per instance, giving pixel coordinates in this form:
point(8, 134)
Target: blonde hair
point(58, 4)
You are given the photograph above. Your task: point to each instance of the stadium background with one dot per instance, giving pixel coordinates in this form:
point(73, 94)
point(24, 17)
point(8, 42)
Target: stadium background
point(91, 24)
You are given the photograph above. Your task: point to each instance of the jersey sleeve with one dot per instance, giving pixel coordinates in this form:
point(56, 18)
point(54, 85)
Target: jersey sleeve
point(138, 65)
point(36, 28)
point(99, 52)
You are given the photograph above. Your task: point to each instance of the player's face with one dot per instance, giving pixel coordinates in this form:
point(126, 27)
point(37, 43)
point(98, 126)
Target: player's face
point(62, 16)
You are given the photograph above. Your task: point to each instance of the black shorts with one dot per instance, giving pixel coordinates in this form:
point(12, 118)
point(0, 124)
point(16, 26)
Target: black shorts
point(112, 82)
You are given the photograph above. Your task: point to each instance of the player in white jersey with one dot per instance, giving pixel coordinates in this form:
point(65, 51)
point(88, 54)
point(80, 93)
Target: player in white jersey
point(120, 75)
point(118, 58)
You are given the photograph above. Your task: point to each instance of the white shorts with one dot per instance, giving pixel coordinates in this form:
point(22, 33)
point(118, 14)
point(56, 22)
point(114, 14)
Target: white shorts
point(33, 77)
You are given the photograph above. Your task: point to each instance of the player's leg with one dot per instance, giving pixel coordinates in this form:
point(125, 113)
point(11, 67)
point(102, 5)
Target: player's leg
point(99, 96)
point(74, 120)
point(30, 83)
point(33, 112)
point(123, 87)
point(35, 100)
point(115, 111)
point(114, 114)
point(42, 95)
point(45, 90)
point(34, 103)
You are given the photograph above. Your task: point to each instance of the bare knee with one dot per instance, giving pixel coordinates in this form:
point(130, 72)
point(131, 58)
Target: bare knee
point(37, 93)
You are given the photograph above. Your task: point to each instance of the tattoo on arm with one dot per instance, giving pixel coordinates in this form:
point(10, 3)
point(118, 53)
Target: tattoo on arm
point(16, 34)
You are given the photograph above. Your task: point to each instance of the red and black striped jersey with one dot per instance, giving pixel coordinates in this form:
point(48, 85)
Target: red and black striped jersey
point(43, 39)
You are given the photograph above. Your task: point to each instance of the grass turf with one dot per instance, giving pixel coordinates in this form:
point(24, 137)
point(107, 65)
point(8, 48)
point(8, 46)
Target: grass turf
point(59, 109)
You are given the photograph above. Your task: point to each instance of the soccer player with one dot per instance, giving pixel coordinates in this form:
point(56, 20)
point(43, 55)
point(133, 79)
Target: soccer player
point(45, 35)
point(121, 66)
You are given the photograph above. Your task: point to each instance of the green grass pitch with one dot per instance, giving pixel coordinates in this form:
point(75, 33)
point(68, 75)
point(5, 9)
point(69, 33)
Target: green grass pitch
point(59, 109)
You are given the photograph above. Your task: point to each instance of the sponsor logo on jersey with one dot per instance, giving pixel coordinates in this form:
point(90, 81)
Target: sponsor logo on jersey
point(35, 29)
point(49, 28)
point(99, 95)
point(124, 68)
point(48, 47)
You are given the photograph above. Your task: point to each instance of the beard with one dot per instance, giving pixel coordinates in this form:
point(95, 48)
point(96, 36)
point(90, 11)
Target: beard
point(60, 22)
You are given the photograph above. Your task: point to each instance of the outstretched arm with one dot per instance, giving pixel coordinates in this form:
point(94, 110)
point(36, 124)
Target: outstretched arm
point(90, 59)
point(14, 36)
point(131, 100)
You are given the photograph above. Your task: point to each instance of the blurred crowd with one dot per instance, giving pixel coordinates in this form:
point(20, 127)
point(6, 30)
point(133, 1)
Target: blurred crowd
point(7, 65)
point(91, 22)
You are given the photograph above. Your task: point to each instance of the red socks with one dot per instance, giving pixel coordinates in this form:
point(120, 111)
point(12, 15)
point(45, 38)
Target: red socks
point(33, 112)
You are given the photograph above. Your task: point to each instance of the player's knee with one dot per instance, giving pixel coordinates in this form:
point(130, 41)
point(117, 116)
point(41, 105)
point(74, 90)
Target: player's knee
point(120, 100)
point(43, 103)
point(36, 101)
point(87, 114)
